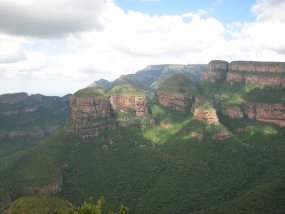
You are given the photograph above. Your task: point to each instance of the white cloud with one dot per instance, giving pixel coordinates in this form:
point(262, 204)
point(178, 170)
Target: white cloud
point(10, 50)
point(45, 18)
point(265, 36)
point(130, 41)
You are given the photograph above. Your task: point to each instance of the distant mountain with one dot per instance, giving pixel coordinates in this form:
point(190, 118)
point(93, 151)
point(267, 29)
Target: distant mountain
point(28, 120)
point(152, 75)
point(101, 83)
point(212, 146)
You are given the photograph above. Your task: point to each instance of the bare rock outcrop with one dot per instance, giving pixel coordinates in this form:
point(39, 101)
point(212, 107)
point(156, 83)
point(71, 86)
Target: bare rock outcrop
point(177, 93)
point(206, 115)
point(89, 108)
point(221, 136)
point(177, 101)
point(216, 70)
point(266, 112)
point(233, 112)
point(264, 73)
point(130, 104)
point(94, 111)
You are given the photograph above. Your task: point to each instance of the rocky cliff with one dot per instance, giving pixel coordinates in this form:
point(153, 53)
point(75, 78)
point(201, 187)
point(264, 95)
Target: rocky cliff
point(129, 100)
point(130, 104)
point(266, 112)
point(233, 112)
point(177, 101)
point(216, 70)
point(177, 93)
point(90, 111)
point(265, 73)
point(30, 119)
point(204, 111)
point(89, 108)
point(93, 110)
point(206, 115)
point(153, 75)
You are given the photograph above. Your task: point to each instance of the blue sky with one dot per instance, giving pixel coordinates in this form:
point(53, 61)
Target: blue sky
point(58, 47)
point(226, 11)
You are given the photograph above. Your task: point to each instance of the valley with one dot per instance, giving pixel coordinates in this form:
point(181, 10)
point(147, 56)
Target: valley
point(158, 144)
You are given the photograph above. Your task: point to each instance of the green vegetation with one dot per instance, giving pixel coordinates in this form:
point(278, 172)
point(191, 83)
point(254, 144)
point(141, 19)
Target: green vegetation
point(266, 94)
point(178, 84)
point(90, 92)
point(126, 89)
point(39, 204)
point(170, 166)
point(28, 120)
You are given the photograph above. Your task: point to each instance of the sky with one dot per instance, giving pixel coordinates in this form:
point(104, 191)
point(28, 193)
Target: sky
point(56, 47)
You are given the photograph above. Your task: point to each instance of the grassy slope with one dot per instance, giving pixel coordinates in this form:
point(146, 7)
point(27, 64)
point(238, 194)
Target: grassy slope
point(162, 170)
point(178, 84)
point(96, 92)
point(51, 114)
point(125, 89)
point(39, 204)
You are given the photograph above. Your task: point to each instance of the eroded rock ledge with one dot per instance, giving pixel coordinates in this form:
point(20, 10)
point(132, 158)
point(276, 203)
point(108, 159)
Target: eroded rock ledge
point(94, 111)
point(264, 73)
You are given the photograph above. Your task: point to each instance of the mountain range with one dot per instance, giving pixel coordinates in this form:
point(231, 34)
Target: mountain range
point(162, 140)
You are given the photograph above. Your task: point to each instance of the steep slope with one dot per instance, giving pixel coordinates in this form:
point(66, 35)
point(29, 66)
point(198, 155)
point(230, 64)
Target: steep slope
point(101, 83)
point(39, 204)
point(248, 72)
point(128, 99)
point(28, 120)
point(177, 92)
point(179, 163)
point(155, 169)
point(259, 89)
point(152, 75)
point(91, 112)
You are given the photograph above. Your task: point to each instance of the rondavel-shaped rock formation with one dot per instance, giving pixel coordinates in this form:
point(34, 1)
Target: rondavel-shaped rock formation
point(128, 99)
point(269, 74)
point(177, 93)
point(93, 110)
point(204, 111)
point(264, 73)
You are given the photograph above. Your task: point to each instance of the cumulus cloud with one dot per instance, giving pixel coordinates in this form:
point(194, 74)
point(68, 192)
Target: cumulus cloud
point(265, 36)
point(129, 41)
point(45, 18)
point(141, 34)
point(270, 10)
point(10, 50)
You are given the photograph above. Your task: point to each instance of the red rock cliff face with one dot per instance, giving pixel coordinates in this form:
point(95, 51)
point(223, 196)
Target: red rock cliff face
point(265, 73)
point(91, 116)
point(208, 116)
point(252, 66)
point(233, 112)
point(273, 113)
point(176, 101)
point(130, 104)
point(87, 115)
point(89, 108)
point(216, 70)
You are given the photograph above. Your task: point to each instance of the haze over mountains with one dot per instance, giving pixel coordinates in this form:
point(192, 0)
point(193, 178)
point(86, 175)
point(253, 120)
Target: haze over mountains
point(159, 141)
